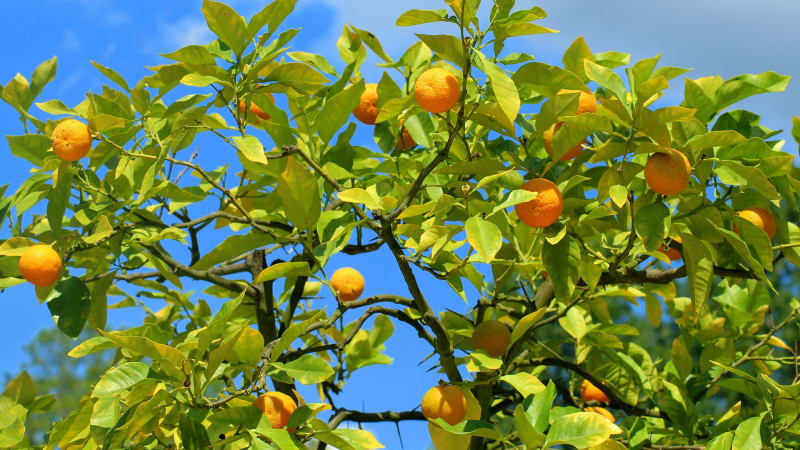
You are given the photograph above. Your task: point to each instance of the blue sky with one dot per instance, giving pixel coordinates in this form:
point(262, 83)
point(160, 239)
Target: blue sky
point(128, 36)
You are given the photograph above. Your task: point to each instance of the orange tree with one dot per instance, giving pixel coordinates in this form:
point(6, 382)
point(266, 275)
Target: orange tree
point(616, 188)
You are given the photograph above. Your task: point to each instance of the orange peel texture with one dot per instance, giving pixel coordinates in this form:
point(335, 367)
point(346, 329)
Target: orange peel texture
point(667, 173)
point(491, 336)
point(547, 136)
point(437, 90)
point(445, 402)
point(71, 140)
point(347, 283)
point(277, 406)
point(759, 217)
point(544, 210)
point(40, 265)
point(367, 110)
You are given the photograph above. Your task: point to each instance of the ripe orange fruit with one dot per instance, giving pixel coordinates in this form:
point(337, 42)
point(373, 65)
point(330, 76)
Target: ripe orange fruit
point(602, 411)
point(587, 103)
point(367, 110)
point(548, 143)
point(71, 140)
point(446, 402)
point(437, 90)
point(667, 174)
point(491, 336)
point(406, 141)
point(759, 217)
point(672, 253)
point(347, 283)
point(590, 392)
point(542, 211)
point(254, 109)
point(40, 265)
point(277, 406)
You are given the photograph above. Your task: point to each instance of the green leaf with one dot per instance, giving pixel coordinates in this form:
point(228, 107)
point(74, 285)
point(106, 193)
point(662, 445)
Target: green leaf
point(743, 86)
point(251, 148)
point(11, 281)
point(699, 266)
point(722, 442)
point(337, 110)
point(581, 429)
point(470, 427)
point(550, 77)
point(307, 369)
point(561, 262)
point(169, 358)
point(735, 173)
point(796, 129)
point(714, 139)
point(227, 24)
point(72, 427)
point(56, 107)
point(525, 383)
point(358, 439)
point(485, 237)
point(296, 74)
point(232, 247)
point(32, 147)
point(299, 193)
point(21, 389)
point(293, 332)
point(504, 89)
point(192, 54)
point(249, 416)
point(317, 61)
point(111, 75)
point(272, 15)
point(445, 46)
point(539, 406)
point(527, 433)
point(283, 270)
point(12, 423)
point(119, 379)
point(248, 346)
point(420, 16)
point(69, 303)
point(479, 361)
point(606, 78)
point(194, 435)
point(372, 42)
point(652, 225)
point(102, 230)
point(524, 324)
point(757, 239)
point(58, 198)
point(358, 195)
point(748, 434)
point(43, 74)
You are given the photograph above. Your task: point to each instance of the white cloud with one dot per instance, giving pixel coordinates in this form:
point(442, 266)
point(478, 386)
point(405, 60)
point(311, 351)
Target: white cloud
point(71, 81)
point(70, 41)
point(110, 49)
point(187, 31)
point(712, 38)
point(171, 35)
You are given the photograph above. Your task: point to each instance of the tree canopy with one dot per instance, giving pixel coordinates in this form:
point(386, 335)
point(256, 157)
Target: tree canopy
point(626, 264)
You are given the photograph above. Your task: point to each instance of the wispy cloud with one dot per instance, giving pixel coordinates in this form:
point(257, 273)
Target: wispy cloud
point(71, 81)
point(186, 31)
point(70, 41)
point(171, 35)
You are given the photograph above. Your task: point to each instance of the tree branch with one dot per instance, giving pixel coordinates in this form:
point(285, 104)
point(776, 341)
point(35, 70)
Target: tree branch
point(616, 401)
